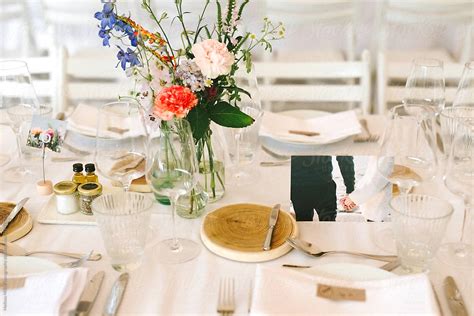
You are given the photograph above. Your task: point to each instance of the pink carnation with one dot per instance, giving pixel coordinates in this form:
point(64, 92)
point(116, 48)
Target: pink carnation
point(174, 101)
point(213, 58)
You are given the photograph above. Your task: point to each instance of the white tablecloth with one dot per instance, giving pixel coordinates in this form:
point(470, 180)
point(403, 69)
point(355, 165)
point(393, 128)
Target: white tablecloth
point(191, 288)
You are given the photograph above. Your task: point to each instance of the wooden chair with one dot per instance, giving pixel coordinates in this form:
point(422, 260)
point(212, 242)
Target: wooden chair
point(351, 82)
point(313, 16)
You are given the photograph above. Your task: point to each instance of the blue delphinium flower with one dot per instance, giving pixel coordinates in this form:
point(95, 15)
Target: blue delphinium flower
point(105, 37)
point(128, 56)
point(106, 16)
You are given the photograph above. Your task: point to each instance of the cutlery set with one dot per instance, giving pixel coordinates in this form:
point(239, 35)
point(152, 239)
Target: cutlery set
point(91, 291)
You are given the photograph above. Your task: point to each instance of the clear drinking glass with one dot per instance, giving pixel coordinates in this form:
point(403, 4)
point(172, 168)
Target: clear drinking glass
point(425, 84)
point(171, 171)
point(407, 156)
point(18, 103)
point(459, 179)
point(243, 142)
point(121, 142)
point(465, 93)
point(123, 219)
point(419, 223)
point(449, 119)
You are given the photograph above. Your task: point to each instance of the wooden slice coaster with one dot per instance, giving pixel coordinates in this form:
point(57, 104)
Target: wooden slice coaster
point(237, 232)
point(21, 224)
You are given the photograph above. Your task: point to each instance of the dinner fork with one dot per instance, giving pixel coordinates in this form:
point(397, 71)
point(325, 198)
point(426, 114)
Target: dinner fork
point(76, 263)
point(226, 297)
point(295, 243)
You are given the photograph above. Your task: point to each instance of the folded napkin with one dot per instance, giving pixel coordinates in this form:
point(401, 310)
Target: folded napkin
point(330, 127)
point(50, 293)
point(290, 292)
point(83, 120)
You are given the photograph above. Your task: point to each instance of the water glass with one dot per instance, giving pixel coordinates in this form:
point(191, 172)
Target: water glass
point(419, 223)
point(123, 219)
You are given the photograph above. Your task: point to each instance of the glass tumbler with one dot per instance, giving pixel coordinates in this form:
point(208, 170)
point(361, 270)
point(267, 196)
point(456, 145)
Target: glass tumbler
point(123, 219)
point(419, 222)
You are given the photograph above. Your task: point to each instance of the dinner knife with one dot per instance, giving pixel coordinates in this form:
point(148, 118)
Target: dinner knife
point(453, 295)
point(89, 294)
point(271, 225)
point(12, 214)
point(116, 294)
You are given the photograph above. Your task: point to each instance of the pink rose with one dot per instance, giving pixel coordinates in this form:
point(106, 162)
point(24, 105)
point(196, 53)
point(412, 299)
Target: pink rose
point(213, 58)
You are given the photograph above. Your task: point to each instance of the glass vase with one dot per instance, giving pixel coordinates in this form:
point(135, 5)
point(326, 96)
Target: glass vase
point(211, 177)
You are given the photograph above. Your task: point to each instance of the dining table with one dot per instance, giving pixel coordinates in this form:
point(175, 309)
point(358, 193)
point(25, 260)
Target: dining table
point(191, 288)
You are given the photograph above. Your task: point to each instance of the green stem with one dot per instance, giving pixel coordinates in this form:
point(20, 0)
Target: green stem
point(211, 163)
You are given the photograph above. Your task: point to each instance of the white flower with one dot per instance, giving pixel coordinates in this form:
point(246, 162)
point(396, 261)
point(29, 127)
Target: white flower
point(213, 58)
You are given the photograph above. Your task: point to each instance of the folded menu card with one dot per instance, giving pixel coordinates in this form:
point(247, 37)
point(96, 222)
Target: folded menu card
point(84, 121)
point(317, 130)
point(293, 292)
point(51, 293)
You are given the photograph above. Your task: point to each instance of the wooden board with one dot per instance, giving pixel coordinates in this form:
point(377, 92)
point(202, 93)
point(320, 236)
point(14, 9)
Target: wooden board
point(21, 224)
point(237, 232)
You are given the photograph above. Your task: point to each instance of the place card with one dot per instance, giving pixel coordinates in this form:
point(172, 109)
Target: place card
point(338, 293)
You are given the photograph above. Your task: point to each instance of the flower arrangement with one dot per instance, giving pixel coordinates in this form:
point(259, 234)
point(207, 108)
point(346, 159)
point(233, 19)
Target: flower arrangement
point(197, 81)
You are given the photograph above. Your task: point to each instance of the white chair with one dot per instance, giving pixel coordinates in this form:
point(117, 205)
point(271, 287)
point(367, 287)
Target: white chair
point(350, 82)
point(15, 35)
point(306, 18)
point(392, 76)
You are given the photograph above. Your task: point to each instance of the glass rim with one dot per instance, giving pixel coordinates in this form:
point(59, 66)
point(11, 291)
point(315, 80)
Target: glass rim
point(102, 196)
point(449, 212)
point(445, 112)
point(427, 62)
point(428, 109)
point(16, 64)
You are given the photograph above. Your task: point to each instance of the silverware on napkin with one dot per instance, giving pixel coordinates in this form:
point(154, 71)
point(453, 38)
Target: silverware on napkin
point(453, 295)
point(271, 225)
point(12, 214)
point(116, 294)
point(89, 295)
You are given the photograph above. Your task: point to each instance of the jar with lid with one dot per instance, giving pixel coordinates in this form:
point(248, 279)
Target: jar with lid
point(88, 192)
point(78, 176)
point(67, 198)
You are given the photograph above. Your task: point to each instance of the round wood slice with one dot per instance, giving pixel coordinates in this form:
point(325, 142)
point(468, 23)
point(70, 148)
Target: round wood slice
point(237, 232)
point(21, 224)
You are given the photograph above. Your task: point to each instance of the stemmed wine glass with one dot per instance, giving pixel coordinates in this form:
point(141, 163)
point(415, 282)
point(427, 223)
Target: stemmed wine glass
point(407, 157)
point(18, 104)
point(171, 171)
point(425, 84)
point(121, 142)
point(465, 93)
point(459, 179)
point(243, 142)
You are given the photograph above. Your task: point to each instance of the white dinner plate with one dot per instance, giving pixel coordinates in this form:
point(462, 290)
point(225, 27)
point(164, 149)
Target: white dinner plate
point(349, 272)
point(17, 266)
point(272, 142)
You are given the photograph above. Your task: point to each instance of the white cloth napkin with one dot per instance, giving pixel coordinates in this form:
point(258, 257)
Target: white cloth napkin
point(83, 120)
point(331, 127)
point(50, 293)
point(290, 292)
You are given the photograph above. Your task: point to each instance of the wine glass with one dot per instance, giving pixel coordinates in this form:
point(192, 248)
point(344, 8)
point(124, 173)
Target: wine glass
point(18, 104)
point(121, 142)
point(465, 93)
point(407, 156)
point(172, 172)
point(425, 84)
point(449, 119)
point(243, 142)
point(459, 179)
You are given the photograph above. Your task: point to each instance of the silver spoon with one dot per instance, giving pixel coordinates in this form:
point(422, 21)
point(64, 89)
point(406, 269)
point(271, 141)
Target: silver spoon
point(14, 250)
point(295, 243)
point(76, 263)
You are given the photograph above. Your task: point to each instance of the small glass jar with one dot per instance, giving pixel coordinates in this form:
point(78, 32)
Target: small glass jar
point(67, 198)
point(88, 192)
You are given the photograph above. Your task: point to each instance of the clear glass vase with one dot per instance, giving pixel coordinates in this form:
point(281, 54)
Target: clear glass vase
point(211, 178)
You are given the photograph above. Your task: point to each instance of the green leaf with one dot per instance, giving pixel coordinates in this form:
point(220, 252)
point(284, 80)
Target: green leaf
point(199, 120)
point(227, 115)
